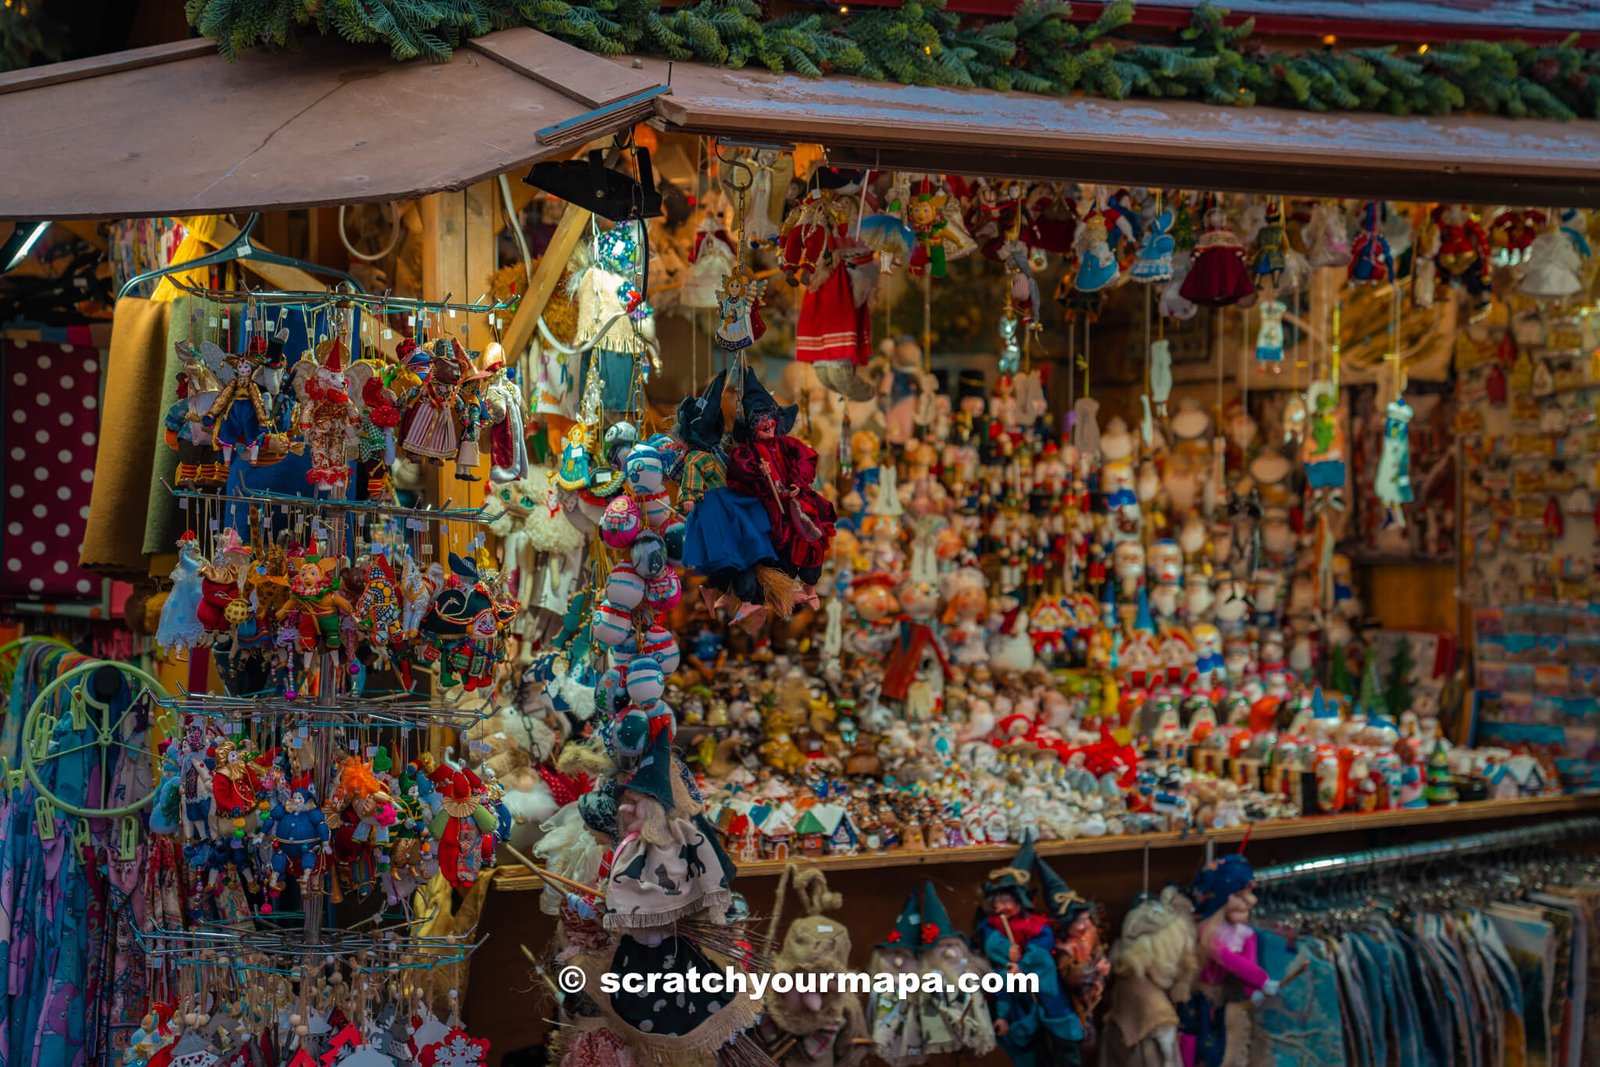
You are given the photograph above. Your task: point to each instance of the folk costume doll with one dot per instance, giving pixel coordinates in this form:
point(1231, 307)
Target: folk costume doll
point(241, 414)
point(1218, 275)
point(1155, 964)
point(1323, 450)
point(778, 470)
point(1392, 485)
point(1218, 1020)
point(1035, 1029)
point(222, 583)
point(503, 405)
point(1269, 336)
point(819, 1028)
point(728, 538)
point(835, 323)
point(438, 423)
point(1267, 255)
point(1371, 262)
point(935, 223)
point(951, 1021)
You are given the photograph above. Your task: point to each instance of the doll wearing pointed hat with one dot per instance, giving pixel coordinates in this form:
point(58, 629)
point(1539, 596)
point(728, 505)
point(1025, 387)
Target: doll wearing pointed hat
point(951, 1021)
point(1035, 1029)
point(896, 1023)
point(729, 536)
point(1080, 948)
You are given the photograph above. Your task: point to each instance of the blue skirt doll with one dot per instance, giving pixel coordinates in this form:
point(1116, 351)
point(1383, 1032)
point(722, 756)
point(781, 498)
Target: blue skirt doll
point(728, 534)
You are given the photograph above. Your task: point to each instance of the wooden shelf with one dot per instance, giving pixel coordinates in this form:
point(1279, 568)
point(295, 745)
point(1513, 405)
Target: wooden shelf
point(519, 879)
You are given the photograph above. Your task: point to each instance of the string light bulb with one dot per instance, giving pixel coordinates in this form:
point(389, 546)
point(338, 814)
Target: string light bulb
point(1422, 49)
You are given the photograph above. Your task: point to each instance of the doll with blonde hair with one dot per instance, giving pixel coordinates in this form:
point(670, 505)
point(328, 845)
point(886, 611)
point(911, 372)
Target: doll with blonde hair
point(1155, 963)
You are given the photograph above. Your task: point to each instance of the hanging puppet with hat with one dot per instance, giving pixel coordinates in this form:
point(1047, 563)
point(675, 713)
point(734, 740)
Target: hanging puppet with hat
point(1218, 1022)
point(728, 536)
point(896, 1021)
point(951, 1021)
point(778, 470)
point(1080, 946)
point(1035, 1029)
point(326, 418)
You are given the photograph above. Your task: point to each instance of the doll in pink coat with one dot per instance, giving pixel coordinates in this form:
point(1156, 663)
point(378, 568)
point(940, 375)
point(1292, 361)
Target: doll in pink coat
point(1218, 1023)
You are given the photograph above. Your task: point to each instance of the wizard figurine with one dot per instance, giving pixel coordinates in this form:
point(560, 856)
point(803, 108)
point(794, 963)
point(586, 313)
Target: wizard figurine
point(1035, 1029)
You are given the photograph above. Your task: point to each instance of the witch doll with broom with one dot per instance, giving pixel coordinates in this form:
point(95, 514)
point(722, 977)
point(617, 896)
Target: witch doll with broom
point(1035, 1029)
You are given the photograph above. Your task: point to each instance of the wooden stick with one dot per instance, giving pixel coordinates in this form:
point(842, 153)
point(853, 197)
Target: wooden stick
point(551, 876)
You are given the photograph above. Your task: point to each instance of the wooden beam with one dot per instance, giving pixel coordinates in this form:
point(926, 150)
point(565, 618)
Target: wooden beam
point(569, 231)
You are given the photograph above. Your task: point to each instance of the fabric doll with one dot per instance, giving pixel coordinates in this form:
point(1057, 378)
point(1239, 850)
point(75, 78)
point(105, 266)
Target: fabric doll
point(950, 1021)
point(299, 834)
point(198, 461)
point(819, 1029)
point(778, 470)
point(221, 586)
point(1323, 451)
point(816, 253)
point(1217, 1022)
point(1269, 337)
point(180, 629)
point(1370, 258)
point(1097, 264)
point(1153, 264)
point(1392, 484)
point(434, 408)
point(503, 405)
point(1080, 949)
point(463, 828)
point(1034, 1028)
point(728, 537)
point(1327, 236)
point(1218, 275)
point(666, 866)
point(896, 1022)
point(1155, 962)
point(615, 325)
point(711, 259)
point(1268, 249)
point(327, 420)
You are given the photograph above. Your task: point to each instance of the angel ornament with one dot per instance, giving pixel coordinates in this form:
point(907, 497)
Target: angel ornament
point(738, 301)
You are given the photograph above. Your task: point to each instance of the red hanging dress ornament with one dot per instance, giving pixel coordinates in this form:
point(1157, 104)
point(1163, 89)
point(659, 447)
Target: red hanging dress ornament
point(1218, 275)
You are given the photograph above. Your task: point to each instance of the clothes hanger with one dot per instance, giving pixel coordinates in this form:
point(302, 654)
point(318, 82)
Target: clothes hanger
point(241, 249)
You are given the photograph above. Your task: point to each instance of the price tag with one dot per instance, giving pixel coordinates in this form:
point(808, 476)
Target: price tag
point(387, 333)
point(372, 752)
point(212, 322)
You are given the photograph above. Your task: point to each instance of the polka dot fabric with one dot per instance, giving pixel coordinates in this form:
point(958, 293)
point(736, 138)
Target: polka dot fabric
point(51, 399)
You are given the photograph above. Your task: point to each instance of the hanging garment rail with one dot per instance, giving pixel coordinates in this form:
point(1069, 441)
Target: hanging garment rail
point(382, 301)
point(1492, 841)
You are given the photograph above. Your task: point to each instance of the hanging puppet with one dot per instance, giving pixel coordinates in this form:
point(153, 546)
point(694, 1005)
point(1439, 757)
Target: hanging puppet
point(1218, 1021)
point(1392, 484)
point(1218, 275)
point(1035, 1029)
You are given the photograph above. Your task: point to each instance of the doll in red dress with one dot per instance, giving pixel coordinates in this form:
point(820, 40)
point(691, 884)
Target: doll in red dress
point(835, 322)
point(779, 470)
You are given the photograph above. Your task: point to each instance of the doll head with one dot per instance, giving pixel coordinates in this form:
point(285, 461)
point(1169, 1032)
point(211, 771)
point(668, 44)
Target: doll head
point(1224, 891)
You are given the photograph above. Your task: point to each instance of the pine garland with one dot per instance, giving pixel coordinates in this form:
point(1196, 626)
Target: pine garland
point(920, 42)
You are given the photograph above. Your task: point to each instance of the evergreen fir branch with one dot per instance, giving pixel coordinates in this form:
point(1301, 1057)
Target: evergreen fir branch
point(1038, 49)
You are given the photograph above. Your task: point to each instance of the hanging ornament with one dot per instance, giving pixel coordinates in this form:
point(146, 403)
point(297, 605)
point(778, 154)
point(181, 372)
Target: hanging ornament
point(1269, 336)
point(1218, 276)
point(1370, 259)
point(1393, 481)
point(1267, 255)
point(1097, 264)
point(1553, 268)
point(1153, 264)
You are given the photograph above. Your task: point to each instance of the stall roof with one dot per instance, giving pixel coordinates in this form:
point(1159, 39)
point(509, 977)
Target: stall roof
point(1179, 143)
point(176, 129)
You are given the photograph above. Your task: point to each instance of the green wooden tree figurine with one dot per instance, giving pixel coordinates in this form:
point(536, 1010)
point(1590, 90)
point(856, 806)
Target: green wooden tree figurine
point(1371, 697)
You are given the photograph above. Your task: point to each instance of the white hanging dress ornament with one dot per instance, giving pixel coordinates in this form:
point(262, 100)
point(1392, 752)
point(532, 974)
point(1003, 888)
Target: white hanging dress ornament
point(1553, 268)
point(833, 632)
point(1393, 481)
